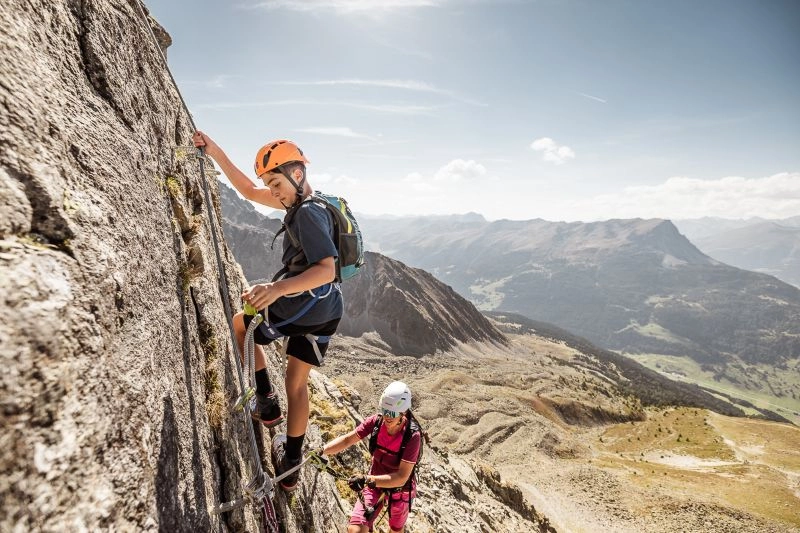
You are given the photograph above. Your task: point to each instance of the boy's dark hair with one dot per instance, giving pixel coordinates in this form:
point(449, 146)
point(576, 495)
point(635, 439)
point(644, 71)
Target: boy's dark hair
point(289, 168)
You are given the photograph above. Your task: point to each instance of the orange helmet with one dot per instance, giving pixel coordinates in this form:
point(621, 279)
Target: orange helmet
point(276, 153)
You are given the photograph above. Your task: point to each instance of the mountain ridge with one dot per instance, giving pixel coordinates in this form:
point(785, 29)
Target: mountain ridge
point(635, 285)
point(766, 246)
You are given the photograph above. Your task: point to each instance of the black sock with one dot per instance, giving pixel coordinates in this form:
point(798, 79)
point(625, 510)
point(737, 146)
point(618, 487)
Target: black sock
point(294, 448)
point(262, 382)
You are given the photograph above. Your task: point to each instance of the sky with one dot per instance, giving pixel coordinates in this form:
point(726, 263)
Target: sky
point(515, 109)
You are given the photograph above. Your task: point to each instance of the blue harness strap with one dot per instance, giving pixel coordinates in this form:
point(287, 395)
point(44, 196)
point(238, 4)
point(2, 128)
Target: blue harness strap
point(271, 330)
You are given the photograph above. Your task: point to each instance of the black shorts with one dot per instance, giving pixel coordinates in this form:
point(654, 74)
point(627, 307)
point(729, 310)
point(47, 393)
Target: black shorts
point(299, 346)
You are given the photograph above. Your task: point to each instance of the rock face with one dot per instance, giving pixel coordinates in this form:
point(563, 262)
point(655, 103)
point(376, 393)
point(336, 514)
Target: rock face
point(413, 312)
point(118, 368)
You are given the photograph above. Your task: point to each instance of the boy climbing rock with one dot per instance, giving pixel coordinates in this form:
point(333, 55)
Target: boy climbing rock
point(303, 303)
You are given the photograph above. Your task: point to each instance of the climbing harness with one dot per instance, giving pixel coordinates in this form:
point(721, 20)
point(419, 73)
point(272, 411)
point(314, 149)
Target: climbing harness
point(260, 488)
point(271, 330)
point(412, 426)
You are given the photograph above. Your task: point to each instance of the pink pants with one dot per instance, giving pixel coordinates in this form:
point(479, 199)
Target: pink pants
point(398, 508)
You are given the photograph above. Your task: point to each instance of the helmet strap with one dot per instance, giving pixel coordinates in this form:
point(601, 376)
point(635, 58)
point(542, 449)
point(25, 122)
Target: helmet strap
point(298, 186)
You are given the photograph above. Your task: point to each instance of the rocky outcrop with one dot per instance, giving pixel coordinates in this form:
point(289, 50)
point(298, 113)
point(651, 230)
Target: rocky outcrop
point(118, 367)
point(512, 496)
point(413, 312)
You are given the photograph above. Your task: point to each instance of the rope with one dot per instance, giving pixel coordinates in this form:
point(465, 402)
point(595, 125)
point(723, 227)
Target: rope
point(263, 491)
point(249, 363)
point(256, 491)
point(250, 349)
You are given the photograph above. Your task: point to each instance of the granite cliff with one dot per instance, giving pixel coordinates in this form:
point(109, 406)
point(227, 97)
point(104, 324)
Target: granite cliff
point(118, 365)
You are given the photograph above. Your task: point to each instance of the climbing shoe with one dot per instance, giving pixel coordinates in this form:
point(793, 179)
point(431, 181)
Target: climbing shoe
point(283, 464)
point(266, 409)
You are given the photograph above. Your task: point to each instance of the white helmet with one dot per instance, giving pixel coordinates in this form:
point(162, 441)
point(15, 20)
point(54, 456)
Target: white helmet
point(395, 400)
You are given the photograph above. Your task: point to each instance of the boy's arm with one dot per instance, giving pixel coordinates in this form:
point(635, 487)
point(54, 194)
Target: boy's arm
point(242, 183)
point(317, 275)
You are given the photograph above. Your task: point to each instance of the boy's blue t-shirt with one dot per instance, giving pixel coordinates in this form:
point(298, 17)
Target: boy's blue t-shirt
point(312, 226)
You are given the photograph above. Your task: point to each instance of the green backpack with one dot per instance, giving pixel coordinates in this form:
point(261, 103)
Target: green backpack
point(346, 237)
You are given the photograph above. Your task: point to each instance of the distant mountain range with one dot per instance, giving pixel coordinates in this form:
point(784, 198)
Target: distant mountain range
point(695, 228)
point(630, 285)
point(407, 311)
point(766, 246)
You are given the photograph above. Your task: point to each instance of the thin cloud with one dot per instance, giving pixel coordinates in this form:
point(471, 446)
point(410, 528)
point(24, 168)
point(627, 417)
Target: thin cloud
point(776, 196)
point(345, 180)
point(460, 169)
point(342, 179)
point(403, 49)
point(552, 152)
point(457, 170)
point(408, 85)
point(335, 132)
point(342, 6)
point(359, 6)
point(381, 142)
point(595, 98)
point(398, 109)
point(220, 81)
point(417, 183)
point(384, 156)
